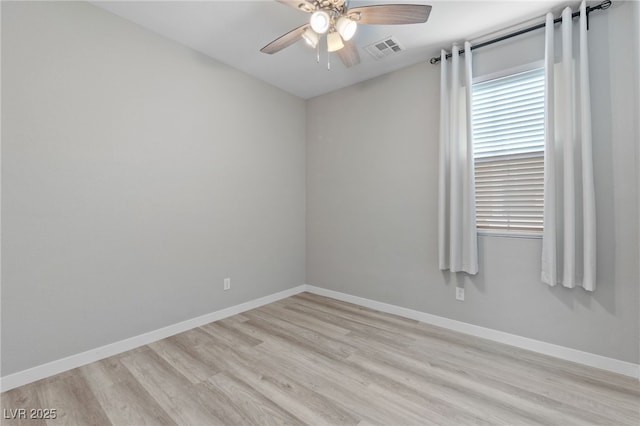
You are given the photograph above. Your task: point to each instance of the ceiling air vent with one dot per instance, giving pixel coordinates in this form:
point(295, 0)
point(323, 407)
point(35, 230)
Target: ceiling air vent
point(383, 48)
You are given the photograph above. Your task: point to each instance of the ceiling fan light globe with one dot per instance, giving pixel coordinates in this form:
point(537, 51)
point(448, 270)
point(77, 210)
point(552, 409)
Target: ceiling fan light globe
point(334, 42)
point(320, 21)
point(346, 27)
point(310, 37)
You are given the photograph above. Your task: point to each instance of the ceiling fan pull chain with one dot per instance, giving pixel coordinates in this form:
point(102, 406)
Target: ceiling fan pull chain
point(328, 61)
point(318, 53)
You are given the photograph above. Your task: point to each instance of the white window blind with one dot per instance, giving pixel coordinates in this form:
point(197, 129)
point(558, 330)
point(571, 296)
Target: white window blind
point(508, 138)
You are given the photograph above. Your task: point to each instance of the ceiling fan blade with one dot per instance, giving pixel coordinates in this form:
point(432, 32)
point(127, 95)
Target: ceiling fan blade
point(302, 5)
point(285, 40)
point(392, 14)
point(349, 54)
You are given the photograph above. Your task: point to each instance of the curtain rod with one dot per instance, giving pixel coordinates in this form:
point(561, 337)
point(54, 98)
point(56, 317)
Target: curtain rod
point(602, 6)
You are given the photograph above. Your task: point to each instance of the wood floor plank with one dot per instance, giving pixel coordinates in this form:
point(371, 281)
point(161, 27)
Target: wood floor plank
point(534, 360)
point(322, 327)
point(248, 364)
point(313, 360)
point(233, 337)
point(237, 318)
point(369, 313)
point(497, 406)
point(445, 396)
point(174, 392)
point(532, 385)
point(121, 396)
point(327, 377)
point(306, 337)
point(340, 372)
point(73, 400)
point(277, 347)
point(584, 411)
point(254, 406)
point(538, 385)
point(332, 382)
point(336, 317)
point(552, 382)
point(17, 404)
point(180, 358)
point(425, 334)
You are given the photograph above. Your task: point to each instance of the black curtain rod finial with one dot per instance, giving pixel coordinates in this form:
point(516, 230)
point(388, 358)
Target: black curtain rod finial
point(606, 4)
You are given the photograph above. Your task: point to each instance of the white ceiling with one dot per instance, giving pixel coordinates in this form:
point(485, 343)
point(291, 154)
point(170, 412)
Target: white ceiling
point(233, 32)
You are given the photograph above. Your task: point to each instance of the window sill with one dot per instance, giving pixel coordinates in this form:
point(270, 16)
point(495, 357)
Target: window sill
point(510, 234)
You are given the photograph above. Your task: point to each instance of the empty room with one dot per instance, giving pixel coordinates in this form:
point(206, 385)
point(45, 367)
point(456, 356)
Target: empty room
point(320, 212)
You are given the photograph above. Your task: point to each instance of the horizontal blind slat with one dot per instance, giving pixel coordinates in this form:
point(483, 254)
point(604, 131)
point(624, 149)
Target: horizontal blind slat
point(508, 140)
point(495, 174)
point(508, 113)
point(492, 102)
point(495, 91)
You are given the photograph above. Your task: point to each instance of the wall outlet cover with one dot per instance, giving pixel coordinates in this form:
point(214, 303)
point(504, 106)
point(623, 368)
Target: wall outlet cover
point(460, 293)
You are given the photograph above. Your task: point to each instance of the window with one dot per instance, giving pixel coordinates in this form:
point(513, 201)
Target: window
point(508, 138)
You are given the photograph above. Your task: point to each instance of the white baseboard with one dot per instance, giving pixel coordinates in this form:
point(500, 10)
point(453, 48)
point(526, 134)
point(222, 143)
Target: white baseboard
point(562, 352)
point(55, 367)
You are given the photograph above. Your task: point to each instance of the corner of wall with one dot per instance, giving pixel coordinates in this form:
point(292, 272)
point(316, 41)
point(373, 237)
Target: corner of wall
point(636, 5)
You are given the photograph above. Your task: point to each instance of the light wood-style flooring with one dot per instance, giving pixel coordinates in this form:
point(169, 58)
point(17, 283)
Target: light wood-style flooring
point(312, 360)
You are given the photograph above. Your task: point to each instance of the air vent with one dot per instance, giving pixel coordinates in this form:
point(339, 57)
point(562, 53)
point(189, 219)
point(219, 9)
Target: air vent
point(383, 48)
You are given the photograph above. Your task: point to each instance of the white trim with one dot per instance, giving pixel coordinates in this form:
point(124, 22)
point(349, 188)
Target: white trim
point(55, 367)
point(58, 366)
point(511, 71)
point(509, 234)
point(562, 352)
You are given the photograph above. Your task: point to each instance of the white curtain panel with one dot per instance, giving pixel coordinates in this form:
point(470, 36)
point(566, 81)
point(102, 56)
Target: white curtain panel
point(569, 236)
point(457, 239)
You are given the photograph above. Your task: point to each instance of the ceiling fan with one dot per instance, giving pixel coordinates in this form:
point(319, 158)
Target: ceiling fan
point(339, 22)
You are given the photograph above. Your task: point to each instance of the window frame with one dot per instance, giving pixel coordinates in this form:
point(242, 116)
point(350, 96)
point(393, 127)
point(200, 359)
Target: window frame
point(493, 76)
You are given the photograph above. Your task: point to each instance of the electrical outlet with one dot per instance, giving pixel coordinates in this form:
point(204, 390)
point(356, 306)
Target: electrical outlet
point(460, 293)
point(227, 283)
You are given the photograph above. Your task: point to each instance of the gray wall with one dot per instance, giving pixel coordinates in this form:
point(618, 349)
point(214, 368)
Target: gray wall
point(637, 52)
point(136, 175)
point(372, 214)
